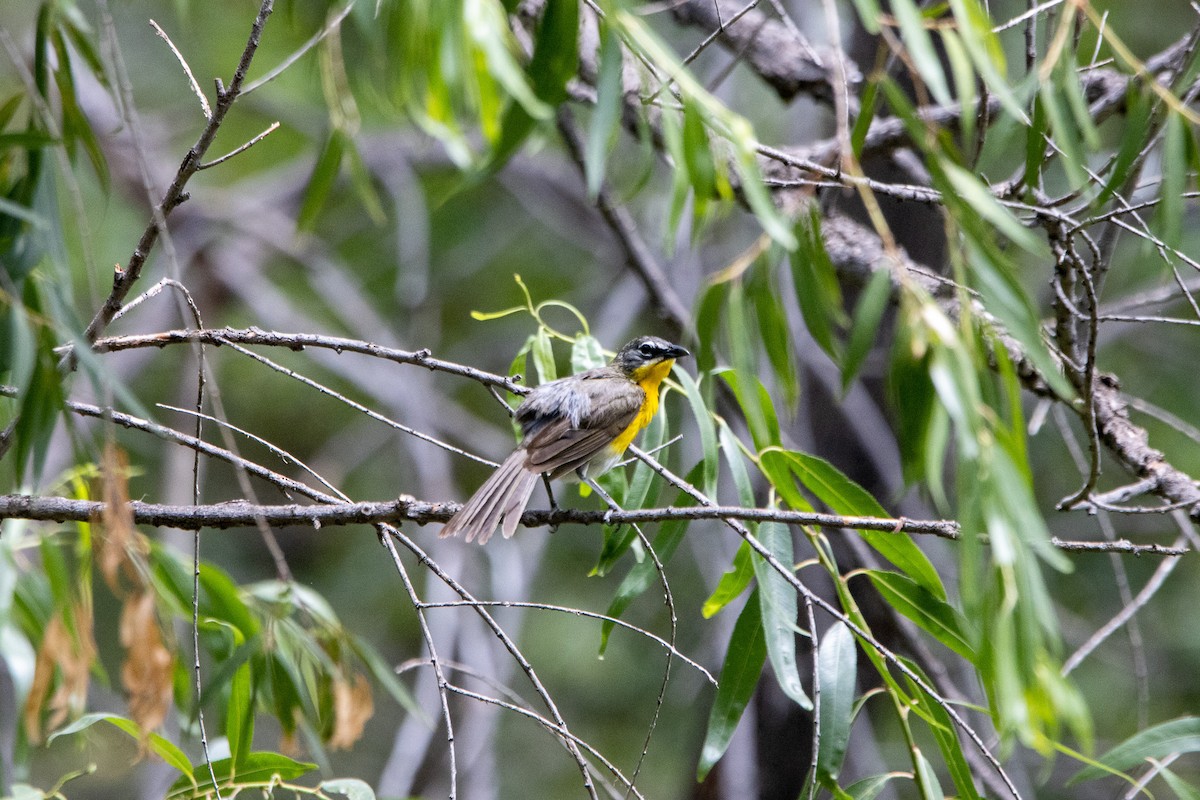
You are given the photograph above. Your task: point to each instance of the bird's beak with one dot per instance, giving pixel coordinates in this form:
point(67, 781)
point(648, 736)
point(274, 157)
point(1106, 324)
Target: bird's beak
point(677, 352)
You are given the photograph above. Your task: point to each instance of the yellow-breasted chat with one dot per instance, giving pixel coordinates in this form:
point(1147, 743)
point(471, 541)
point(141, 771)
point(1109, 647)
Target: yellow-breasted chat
point(575, 428)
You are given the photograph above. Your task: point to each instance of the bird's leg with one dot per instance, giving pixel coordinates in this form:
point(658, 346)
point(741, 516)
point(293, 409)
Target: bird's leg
point(550, 496)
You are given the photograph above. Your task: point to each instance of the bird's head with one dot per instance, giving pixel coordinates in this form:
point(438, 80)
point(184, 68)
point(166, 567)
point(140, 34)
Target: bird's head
point(646, 356)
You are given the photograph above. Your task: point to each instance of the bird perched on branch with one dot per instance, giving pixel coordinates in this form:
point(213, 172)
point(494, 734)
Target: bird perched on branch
point(575, 428)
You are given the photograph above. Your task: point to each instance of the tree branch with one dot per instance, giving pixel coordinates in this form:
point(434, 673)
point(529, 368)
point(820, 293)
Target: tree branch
point(239, 513)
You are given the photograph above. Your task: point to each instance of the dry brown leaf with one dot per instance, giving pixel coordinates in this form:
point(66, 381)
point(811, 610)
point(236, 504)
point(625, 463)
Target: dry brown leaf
point(352, 707)
point(117, 537)
point(72, 657)
point(149, 665)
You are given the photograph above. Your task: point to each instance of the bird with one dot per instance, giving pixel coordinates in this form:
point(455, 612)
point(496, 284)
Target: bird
point(574, 428)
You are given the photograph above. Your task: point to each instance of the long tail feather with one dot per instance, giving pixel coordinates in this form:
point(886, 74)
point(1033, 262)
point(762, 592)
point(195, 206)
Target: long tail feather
point(503, 496)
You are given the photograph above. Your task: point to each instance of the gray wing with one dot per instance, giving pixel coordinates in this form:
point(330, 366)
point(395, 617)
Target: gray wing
point(568, 422)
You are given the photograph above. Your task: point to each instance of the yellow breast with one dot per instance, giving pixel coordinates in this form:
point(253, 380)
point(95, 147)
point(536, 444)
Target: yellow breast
point(649, 379)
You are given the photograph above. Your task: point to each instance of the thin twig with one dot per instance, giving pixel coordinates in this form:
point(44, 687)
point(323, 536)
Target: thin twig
point(204, 106)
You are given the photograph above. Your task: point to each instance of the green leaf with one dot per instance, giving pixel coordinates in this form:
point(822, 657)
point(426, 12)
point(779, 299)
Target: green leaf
point(353, 788)
point(1177, 736)
point(935, 715)
point(606, 117)
point(846, 497)
point(239, 720)
point(708, 437)
point(735, 581)
point(554, 61)
point(868, 315)
point(618, 539)
point(869, 14)
point(586, 353)
point(755, 402)
point(1182, 789)
point(543, 357)
point(972, 192)
point(1174, 177)
point(744, 660)
point(837, 668)
point(866, 113)
point(926, 777)
point(221, 599)
point(1133, 135)
point(776, 334)
point(920, 48)
point(964, 85)
point(987, 52)
point(320, 182)
point(258, 768)
point(931, 613)
point(162, 748)
point(777, 601)
point(364, 185)
point(698, 158)
point(869, 788)
point(555, 54)
point(817, 289)
point(737, 463)
point(643, 573)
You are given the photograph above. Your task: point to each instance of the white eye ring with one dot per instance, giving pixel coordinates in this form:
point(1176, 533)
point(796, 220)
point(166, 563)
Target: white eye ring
point(646, 349)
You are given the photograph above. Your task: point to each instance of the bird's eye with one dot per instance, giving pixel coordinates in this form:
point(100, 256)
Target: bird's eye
point(647, 350)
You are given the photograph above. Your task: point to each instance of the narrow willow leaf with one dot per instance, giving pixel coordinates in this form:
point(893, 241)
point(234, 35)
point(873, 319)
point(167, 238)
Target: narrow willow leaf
point(352, 788)
point(837, 668)
point(1062, 128)
point(708, 437)
point(744, 660)
point(586, 353)
point(618, 539)
point(258, 768)
point(868, 14)
point(1177, 736)
point(1174, 176)
point(817, 289)
point(944, 731)
point(964, 85)
point(846, 497)
point(543, 356)
point(867, 788)
point(773, 223)
point(932, 614)
point(708, 318)
point(320, 182)
point(777, 602)
point(735, 581)
point(161, 747)
point(987, 52)
point(698, 159)
point(607, 114)
point(221, 599)
point(736, 461)
point(868, 315)
point(1182, 789)
point(1133, 135)
point(866, 113)
point(643, 574)
point(1035, 144)
point(363, 185)
point(554, 62)
point(926, 777)
point(775, 333)
point(972, 192)
point(920, 48)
